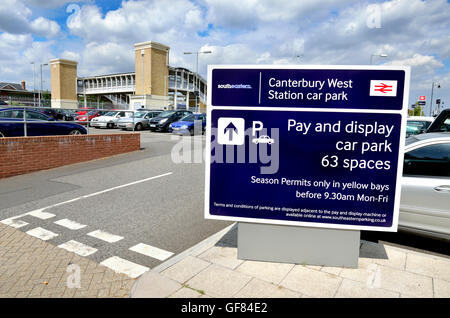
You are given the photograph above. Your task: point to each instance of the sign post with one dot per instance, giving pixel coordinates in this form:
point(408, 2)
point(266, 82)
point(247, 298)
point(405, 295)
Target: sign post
point(305, 157)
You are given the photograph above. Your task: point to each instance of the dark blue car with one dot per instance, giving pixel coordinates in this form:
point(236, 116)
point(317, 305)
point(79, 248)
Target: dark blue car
point(38, 124)
point(186, 124)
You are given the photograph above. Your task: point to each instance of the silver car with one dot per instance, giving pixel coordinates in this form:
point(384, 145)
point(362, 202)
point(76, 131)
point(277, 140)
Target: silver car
point(425, 197)
point(140, 120)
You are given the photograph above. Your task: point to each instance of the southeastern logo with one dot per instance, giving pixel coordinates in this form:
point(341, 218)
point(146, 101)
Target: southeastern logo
point(235, 86)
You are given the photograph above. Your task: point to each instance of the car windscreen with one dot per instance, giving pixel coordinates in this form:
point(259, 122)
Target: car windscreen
point(139, 114)
point(110, 114)
point(190, 118)
point(166, 114)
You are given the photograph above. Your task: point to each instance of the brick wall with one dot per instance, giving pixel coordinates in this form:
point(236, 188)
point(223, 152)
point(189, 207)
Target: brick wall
point(21, 155)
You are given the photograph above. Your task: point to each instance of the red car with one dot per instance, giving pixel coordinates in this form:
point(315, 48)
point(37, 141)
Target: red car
point(92, 114)
point(83, 110)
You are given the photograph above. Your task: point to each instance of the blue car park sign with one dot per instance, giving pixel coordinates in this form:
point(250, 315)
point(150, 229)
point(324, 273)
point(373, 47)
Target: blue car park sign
point(314, 146)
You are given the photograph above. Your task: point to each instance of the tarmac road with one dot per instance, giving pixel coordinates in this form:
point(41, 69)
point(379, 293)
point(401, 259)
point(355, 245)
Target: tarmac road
point(143, 200)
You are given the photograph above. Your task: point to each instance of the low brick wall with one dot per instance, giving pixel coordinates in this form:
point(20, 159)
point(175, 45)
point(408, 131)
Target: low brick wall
point(21, 155)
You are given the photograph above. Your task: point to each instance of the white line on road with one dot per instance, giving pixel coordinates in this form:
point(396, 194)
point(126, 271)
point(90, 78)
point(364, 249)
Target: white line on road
point(42, 234)
point(119, 265)
point(72, 225)
point(41, 215)
point(151, 251)
point(78, 248)
point(105, 236)
point(101, 192)
point(14, 223)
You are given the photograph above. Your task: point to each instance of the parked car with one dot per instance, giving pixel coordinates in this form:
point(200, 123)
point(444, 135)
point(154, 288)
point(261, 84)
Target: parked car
point(163, 120)
point(38, 124)
point(110, 119)
point(186, 124)
point(91, 115)
point(425, 196)
point(441, 122)
point(66, 114)
point(83, 110)
point(3, 103)
point(417, 124)
point(140, 120)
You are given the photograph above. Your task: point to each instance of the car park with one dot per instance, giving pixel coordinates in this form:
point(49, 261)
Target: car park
point(38, 124)
point(139, 121)
point(110, 119)
point(186, 124)
point(163, 120)
point(417, 124)
point(425, 196)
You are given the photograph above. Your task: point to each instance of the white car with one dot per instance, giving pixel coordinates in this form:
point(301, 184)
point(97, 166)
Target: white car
point(109, 120)
point(263, 140)
point(425, 196)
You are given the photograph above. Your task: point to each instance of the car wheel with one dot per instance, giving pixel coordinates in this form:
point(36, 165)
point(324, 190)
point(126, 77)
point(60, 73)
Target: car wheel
point(110, 125)
point(191, 131)
point(138, 127)
point(2, 135)
point(75, 132)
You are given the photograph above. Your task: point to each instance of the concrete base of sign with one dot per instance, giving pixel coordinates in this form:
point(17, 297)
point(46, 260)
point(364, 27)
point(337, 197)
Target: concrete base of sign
point(298, 245)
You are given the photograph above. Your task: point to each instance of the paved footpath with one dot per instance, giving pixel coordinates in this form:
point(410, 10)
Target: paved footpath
point(212, 269)
point(30, 267)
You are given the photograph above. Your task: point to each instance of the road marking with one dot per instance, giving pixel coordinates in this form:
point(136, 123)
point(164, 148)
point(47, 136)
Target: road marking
point(151, 251)
point(100, 192)
point(41, 215)
point(119, 265)
point(13, 222)
point(78, 248)
point(72, 225)
point(42, 234)
point(105, 236)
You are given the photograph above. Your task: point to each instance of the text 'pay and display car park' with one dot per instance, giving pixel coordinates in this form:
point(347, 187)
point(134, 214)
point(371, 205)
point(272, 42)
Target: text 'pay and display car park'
point(331, 130)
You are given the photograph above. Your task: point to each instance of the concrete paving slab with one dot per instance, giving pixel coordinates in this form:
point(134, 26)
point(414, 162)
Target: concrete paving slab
point(353, 289)
point(267, 271)
point(219, 281)
point(441, 288)
point(383, 255)
point(225, 256)
point(154, 285)
point(257, 288)
point(185, 293)
point(185, 269)
point(311, 282)
point(405, 283)
point(364, 272)
point(428, 265)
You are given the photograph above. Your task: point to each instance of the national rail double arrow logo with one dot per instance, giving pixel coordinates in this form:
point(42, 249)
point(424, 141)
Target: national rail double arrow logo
point(383, 88)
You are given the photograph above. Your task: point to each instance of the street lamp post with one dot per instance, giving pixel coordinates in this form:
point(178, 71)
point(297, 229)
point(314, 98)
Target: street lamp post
point(34, 83)
point(197, 81)
point(40, 90)
point(431, 101)
point(379, 55)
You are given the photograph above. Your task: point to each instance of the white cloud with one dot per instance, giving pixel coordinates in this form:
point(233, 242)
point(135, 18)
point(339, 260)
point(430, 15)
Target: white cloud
point(44, 27)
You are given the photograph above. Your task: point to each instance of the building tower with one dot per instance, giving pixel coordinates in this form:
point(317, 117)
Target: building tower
point(152, 75)
point(63, 75)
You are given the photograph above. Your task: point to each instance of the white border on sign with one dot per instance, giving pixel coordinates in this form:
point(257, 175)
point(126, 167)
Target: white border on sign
point(403, 112)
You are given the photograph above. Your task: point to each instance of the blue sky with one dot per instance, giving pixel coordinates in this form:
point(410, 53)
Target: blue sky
point(100, 34)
